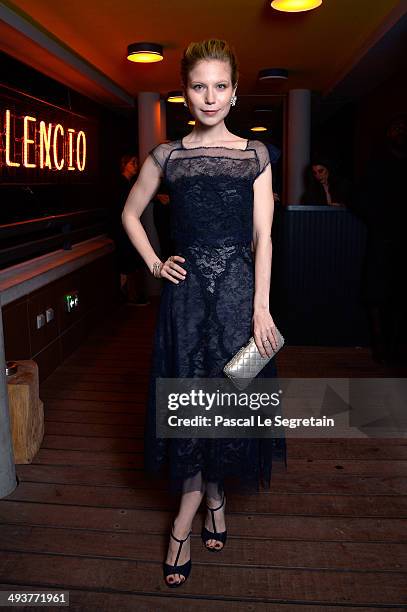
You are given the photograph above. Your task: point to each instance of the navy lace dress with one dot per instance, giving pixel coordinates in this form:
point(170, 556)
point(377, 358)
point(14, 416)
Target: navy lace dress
point(207, 317)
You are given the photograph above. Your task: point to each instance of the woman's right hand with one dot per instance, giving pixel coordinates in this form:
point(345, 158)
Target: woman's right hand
point(171, 270)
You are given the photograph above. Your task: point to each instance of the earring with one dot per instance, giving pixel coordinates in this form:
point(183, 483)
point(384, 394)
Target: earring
point(233, 100)
point(185, 103)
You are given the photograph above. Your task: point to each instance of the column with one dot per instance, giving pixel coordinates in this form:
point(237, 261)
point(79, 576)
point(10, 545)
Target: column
point(7, 468)
point(150, 127)
point(298, 138)
point(163, 121)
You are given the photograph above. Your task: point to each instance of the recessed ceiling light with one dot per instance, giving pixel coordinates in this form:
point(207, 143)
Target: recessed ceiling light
point(175, 96)
point(145, 52)
point(263, 109)
point(295, 6)
point(273, 73)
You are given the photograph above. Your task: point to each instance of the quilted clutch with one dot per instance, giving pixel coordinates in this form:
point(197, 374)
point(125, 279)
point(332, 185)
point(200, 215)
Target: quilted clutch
point(247, 363)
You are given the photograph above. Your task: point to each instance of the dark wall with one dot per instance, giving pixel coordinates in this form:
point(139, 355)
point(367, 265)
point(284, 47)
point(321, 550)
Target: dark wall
point(116, 133)
point(374, 111)
point(335, 137)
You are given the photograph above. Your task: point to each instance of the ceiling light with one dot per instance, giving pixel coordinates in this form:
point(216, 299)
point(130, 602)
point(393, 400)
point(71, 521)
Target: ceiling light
point(263, 109)
point(175, 96)
point(258, 128)
point(145, 52)
point(273, 73)
point(295, 6)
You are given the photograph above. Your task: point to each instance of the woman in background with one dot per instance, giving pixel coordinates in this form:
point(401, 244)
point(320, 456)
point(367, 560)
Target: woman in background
point(324, 186)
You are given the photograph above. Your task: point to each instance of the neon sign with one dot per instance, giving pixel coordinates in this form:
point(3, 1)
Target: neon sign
point(31, 142)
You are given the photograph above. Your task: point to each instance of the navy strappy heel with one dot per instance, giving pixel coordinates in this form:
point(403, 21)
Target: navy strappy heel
point(183, 570)
point(214, 535)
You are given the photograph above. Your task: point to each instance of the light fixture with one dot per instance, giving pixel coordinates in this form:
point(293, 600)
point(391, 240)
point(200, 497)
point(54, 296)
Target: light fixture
point(295, 6)
point(145, 52)
point(273, 73)
point(191, 122)
point(258, 128)
point(263, 109)
point(175, 96)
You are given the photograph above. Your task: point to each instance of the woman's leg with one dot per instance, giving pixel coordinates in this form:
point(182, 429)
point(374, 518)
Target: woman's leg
point(214, 496)
point(194, 490)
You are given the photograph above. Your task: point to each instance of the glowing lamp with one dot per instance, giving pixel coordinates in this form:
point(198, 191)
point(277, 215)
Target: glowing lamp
point(145, 52)
point(295, 6)
point(175, 96)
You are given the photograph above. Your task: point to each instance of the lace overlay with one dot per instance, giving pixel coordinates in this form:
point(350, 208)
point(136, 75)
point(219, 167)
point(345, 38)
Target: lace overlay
point(207, 317)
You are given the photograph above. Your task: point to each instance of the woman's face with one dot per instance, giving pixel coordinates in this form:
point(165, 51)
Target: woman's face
point(131, 167)
point(209, 91)
point(320, 173)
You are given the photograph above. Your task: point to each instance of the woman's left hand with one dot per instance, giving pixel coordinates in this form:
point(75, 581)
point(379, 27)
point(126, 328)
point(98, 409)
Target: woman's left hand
point(264, 332)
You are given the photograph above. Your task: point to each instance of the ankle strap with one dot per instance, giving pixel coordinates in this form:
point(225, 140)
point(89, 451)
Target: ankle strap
point(178, 540)
point(214, 509)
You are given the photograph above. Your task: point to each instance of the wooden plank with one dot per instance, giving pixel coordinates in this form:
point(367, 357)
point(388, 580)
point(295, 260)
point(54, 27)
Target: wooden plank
point(95, 396)
point(286, 504)
point(239, 551)
point(330, 484)
point(104, 601)
point(297, 448)
point(264, 526)
point(94, 417)
point(136, 407)
point(295, 466)
point(66, 375)
point(52, 389)
point(135, 445)
point(94, 458)
point(94, 429)
point(211, 580)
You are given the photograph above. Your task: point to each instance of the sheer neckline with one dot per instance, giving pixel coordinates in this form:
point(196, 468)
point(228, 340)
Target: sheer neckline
point(213, 146)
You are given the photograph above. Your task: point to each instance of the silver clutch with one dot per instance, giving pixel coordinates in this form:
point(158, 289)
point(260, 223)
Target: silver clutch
point(247, 363)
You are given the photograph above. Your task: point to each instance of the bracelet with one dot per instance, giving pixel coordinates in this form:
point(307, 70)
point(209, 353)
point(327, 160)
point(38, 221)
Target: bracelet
point(157, 265)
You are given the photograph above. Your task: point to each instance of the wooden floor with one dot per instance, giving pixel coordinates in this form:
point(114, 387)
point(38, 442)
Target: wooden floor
point(331, 534)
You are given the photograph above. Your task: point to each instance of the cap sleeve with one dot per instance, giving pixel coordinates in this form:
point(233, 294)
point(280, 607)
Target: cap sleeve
point(263, 157)
point(160, 155)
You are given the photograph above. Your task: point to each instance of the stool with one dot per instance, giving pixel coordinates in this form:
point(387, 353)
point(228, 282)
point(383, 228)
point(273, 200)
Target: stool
point(26, 411)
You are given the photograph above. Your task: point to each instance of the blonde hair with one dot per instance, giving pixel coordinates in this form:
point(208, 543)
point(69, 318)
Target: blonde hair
point(207, 50)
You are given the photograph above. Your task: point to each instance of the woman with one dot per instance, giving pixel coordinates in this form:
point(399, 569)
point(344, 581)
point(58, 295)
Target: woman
point(216, 293)
point(324, 186)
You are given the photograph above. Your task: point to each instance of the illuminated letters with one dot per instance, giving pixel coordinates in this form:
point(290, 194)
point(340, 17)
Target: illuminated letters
point(8, 130)
point(31, 143)
point(27, 141)
point(45, 145)
point(81, 159)
point(70, 149)
point(58, 128)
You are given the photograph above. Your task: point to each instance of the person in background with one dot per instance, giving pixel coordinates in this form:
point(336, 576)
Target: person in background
point(324, 186)
point(381, 203)
point(131, 266)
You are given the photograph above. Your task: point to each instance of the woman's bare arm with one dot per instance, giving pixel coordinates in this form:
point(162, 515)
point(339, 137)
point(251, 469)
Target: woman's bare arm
point(263, 210)
point(141, 194)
